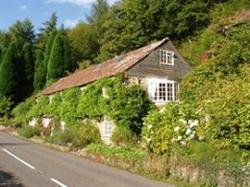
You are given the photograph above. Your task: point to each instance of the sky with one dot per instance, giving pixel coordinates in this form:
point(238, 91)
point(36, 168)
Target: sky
point(69, 12)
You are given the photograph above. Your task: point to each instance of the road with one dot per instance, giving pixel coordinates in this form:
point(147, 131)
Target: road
point(39, 166)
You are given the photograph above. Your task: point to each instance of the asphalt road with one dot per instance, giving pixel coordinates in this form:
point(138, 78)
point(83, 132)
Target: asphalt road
point(34, 165)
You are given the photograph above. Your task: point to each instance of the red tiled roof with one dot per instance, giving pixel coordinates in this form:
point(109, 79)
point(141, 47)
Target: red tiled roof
point(106, 69)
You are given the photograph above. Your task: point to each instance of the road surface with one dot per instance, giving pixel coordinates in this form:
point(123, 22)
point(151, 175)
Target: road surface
point(39, 166)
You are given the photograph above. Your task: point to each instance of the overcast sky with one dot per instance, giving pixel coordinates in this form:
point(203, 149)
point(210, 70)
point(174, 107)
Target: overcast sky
point(69, 12)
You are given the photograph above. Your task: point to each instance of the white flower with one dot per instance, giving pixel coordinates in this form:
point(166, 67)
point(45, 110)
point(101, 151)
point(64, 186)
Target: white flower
point(183, 121)
point(150, 126)
point(179, 138)
point(176, 129)
point(148, 139)
point(192, 136)
point(201, 138)
point(188, 131)
point(183, 143)
point(193, 123)
point(207, 118)
point(162, 109)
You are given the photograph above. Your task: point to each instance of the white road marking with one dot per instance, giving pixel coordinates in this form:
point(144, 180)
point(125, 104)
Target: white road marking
point(58, 182)
point(19, 159)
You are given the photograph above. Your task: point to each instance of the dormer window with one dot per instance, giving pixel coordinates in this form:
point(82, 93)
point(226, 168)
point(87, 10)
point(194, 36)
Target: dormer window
point(166, 57)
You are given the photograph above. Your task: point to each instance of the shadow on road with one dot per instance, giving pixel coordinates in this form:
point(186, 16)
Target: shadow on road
point(8, 180)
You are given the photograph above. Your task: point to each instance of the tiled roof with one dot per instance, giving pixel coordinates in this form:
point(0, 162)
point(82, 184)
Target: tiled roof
point(108, 68)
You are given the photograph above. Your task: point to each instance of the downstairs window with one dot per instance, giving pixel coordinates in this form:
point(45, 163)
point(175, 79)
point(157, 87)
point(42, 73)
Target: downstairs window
point(162, 90)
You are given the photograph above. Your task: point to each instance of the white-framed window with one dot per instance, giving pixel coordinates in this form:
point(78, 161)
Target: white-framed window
point(162, 90)
point(166, 57)
point(107, 127)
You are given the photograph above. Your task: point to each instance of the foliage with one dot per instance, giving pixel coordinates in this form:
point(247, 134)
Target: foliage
point(28, 69)
point(38, 109)
point(122, 135)
point(126, 153)
point(7, 73)
point(45, 32)
point(175, 123)
point(56, 61)
point(84, 43)
point(77, 136)
point(131, 24)
point(5, 106)
point(87, 133)
point(212, 160)
point(28, 131)
point(39, 72)
point(68, 105)
point(110, 95)
point(102, 98)
point(22, 32)
point(21, 110)
point(223, 81)
point(68, 65)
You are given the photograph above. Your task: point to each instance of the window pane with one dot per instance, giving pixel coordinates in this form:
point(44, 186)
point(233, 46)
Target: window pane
point(162, 92)
point(170, 91)
point(176, 91)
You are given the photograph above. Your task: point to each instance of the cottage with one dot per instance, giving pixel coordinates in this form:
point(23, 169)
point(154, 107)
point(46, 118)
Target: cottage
point(158, 67)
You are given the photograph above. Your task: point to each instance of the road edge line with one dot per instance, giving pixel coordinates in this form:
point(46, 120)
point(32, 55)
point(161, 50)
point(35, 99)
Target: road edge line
point(19, 159)
point(58, 182)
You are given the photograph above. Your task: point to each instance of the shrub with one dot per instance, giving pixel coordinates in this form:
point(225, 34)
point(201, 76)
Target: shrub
point(62, 138)
point(21, 110)
point(122, 135)
point(175, 123)
point(5, 106)
point(28, 131)
point(87, 133)
point(77, 136)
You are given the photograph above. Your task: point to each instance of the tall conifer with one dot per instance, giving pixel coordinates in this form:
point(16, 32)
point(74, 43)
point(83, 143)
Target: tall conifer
point(39, 72)
point(56, 61)
point(7, 72)
point(28, 68)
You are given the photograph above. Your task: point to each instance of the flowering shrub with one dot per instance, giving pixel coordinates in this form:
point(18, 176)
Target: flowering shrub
point(176, 123)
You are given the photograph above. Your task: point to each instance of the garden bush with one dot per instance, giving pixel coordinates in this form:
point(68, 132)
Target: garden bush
point(175, 123)
point(122, 135)
point(5, 106)
point(62, 138)
point(21, 110)
point(87, 133)
point(28, 131)
point(76, 136)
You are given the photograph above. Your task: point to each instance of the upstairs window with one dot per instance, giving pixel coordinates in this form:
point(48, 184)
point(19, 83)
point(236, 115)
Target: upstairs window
point(166, 57)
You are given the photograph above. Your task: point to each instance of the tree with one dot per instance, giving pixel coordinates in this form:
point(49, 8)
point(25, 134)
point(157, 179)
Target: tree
point(98, 14)
point(56, 61)
point(7, 73)
point(28, 69)
point(22, 32)
point(45, 31)
point(50, 25)
point(69, 65)
point(84, 43)
point(40, 71)
point(44, 66)
point(132, 24)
